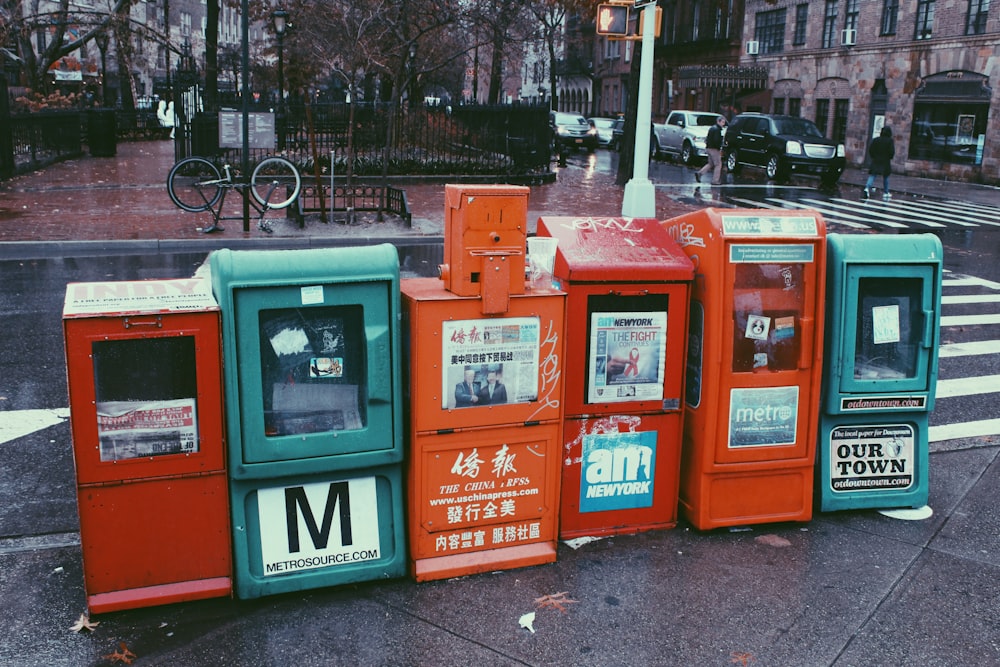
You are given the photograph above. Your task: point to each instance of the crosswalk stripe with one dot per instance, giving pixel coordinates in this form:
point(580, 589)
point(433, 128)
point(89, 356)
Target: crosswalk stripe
point(969, 320)
point(951, 299)
point(959, 217)
point(969, 349)
point(871, 209)
point(973, 429)
point(820, 205)
point(839, 218)
point(19, 423)
point(968, 386)
point(969, 281)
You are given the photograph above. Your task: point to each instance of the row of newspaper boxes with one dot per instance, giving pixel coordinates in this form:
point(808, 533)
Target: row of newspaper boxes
point(304, 418)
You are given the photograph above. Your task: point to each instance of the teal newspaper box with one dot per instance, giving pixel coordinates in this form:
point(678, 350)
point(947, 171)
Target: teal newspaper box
point(880, 372)
point(312, 380)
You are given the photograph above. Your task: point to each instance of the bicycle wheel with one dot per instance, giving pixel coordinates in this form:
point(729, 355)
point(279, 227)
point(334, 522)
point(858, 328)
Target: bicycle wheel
point(193, 184)
point(275, 182)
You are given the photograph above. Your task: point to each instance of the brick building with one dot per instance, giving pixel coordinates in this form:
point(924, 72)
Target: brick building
point(928, 69)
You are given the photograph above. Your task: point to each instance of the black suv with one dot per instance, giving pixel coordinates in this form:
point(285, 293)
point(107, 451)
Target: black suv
point(571, 130)
point(782, 145)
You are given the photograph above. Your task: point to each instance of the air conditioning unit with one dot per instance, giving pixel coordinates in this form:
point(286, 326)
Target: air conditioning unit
point(849, 37)
point(753, 48)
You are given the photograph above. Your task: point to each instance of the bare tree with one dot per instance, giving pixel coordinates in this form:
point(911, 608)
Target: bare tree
point(551, 17)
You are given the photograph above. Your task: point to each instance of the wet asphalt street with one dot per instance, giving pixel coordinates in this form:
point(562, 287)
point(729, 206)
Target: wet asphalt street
point(853, 588)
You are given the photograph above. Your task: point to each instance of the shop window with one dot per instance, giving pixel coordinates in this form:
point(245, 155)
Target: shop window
point(949, 117)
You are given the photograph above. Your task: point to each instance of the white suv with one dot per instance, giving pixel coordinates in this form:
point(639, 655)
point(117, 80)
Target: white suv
point(683, 134)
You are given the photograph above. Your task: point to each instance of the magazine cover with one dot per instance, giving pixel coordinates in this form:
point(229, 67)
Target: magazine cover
point(627, 354)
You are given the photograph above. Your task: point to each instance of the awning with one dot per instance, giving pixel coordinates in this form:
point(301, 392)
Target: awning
point(752, 77)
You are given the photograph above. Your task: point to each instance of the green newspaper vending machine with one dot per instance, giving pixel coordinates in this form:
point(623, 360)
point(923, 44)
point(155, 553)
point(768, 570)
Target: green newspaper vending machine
point(881, 367)
point(311, 349)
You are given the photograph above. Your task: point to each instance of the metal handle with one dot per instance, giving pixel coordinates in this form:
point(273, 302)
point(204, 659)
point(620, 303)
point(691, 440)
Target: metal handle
point(129, 322)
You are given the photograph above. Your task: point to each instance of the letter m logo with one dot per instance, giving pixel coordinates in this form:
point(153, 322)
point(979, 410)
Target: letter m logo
point(296, 501)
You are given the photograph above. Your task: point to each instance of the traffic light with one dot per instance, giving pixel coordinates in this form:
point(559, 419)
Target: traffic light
point(612, 20)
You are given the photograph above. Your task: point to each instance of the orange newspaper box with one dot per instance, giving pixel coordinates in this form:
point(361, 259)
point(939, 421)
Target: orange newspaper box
point(628, 289)
point(755, 351)
point(144, 371)
point(485, 420)
point(484, 235)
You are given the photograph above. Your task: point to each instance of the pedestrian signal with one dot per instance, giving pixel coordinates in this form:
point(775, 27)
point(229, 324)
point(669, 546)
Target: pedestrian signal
point(612, 20)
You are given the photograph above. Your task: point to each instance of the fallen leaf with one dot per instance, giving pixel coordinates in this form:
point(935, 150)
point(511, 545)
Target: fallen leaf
point(527, 620)
point(84, 623)
point(772, 540)
point(554, 600)
point(123, 655)
point(739, 658)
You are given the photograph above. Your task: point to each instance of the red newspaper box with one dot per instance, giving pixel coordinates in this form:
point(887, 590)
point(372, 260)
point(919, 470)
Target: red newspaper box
point(755, 352)
point(628, 285)
point(144, 371)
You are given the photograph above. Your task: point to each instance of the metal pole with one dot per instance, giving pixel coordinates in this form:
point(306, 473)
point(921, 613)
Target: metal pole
point(640, 195)
point(281, 90)
point(245, 161)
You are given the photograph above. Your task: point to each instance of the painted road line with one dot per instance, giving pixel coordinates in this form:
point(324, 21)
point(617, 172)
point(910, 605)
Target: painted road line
point(911, 208)
point(968, 386)
point(976, 429)
point(972, 217)
point(969, 349)
point(879, 210)
point(19, 423)
point(756, 204)
point(970, 298)
point(821, 206)
point(833, 215)
point(969, 320)
point(969, 281)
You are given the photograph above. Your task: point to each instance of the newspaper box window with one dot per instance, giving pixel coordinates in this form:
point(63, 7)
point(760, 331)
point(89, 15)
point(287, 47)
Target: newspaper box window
point(146, 397)
point(313, 370)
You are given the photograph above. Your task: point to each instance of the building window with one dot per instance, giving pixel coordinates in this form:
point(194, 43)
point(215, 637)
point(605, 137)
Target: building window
point(840, 111)
point(613, 49)
point(890, 12)
point(949, 117)
point(851, 16)
point(769, 31)
point(695, 20)
point(925, 19)
point(795, 106)
point(801, 17)
point(978, 12)
point(779, 105)
point(830, 24)
point(822, 115)
point(186, 24)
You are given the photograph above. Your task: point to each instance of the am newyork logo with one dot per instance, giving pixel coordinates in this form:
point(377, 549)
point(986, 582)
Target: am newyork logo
point(617, 471)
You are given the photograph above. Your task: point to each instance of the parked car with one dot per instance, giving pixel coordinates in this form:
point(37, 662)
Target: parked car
point(683, 134)
point(604, 127)
point(617, 131)
point(570, 130)
point(782, 145)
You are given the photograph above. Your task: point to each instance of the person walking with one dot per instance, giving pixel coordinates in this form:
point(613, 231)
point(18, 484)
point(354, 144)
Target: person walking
point(713, 146)
point(880, 154)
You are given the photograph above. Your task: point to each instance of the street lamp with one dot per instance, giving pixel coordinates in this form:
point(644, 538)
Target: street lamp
point(102, 38)
point(280, 18)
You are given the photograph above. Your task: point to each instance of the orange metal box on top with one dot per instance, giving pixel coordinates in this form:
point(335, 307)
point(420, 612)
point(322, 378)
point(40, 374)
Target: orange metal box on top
point(628, 288)
point(485, 425)
point(484, 239)
point(144, 372)
point(755, 351)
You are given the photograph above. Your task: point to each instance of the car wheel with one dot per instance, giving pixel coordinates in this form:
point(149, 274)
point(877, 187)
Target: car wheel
point(774, 169)
point(829, 179)
point(687, 155)
point(732, 163)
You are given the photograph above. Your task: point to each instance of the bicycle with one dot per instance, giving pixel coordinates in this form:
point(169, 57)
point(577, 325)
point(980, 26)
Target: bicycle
point(196, 185)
